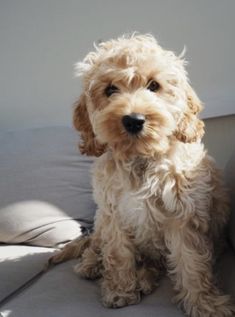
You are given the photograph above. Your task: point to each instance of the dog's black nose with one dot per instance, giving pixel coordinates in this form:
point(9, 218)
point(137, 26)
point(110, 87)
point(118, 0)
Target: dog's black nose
point(133, 122)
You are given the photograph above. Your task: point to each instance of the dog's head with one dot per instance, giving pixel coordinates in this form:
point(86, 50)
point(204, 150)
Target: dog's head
point(136, 99)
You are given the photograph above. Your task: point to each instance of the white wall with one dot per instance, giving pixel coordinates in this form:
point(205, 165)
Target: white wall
point(40, 40)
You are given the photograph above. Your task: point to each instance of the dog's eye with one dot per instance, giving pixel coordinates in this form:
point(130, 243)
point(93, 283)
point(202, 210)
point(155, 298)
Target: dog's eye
point(153, 86)
point(111, 89)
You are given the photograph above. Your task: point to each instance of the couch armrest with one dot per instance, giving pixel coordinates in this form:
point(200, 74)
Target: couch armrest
point(230, 181)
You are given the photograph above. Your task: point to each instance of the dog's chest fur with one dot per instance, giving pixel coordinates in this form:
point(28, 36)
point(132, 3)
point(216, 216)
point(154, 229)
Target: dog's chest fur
point(132, 193)
point(141, 196)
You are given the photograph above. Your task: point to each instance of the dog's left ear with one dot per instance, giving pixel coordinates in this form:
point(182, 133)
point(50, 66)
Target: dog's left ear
point(191, 128)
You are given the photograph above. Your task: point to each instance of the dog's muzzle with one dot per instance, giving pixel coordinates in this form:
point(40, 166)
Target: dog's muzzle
point(133, 123)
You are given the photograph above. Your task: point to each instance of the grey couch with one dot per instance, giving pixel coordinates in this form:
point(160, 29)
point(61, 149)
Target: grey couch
point(45, 198)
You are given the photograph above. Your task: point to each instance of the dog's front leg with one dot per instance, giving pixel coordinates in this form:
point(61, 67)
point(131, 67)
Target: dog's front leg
point(189, 265)
point(119, 284)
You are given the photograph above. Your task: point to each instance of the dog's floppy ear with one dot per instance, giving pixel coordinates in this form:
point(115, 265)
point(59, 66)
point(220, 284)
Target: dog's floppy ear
point(81, 122)
point(191, 128)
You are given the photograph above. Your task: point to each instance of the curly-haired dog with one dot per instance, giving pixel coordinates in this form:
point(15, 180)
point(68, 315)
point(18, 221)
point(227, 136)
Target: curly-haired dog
point(161, 202)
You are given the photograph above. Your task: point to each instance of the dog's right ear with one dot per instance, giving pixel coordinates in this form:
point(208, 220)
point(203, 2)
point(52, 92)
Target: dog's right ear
point(191, 128)
point(81, 122)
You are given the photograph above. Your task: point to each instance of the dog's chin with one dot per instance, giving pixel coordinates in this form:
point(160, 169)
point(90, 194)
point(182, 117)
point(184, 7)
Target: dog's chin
point(130, 146)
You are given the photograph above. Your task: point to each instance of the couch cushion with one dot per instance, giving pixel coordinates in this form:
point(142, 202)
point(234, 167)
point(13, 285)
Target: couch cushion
point(226, 272)
point(230, 180)
point(43, 165)
point(58, 293)
point(18, 265)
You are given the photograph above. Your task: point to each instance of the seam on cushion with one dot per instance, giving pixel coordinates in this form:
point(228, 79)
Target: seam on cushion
point(26, 284)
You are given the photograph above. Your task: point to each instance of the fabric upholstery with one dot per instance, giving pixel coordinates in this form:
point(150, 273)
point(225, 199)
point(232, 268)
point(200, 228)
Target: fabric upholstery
point(44, 164)
point(45, 184)
point(18, 265)
point(230, 180)
point(60, 293)
point(45, 193)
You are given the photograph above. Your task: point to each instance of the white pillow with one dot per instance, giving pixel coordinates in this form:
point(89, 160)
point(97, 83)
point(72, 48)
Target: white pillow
point(37, 223)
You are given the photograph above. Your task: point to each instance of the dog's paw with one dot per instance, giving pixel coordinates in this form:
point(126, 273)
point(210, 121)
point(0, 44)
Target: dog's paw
point(147, 281)
point(226, 311)
point(90, 272)
point(216, 306)
point(90, 265)
point(59, 257)
point(146, 287)
point(72, 250)
point(113, 300)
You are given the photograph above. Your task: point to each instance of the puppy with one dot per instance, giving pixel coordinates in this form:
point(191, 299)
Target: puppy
point(161, 201)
